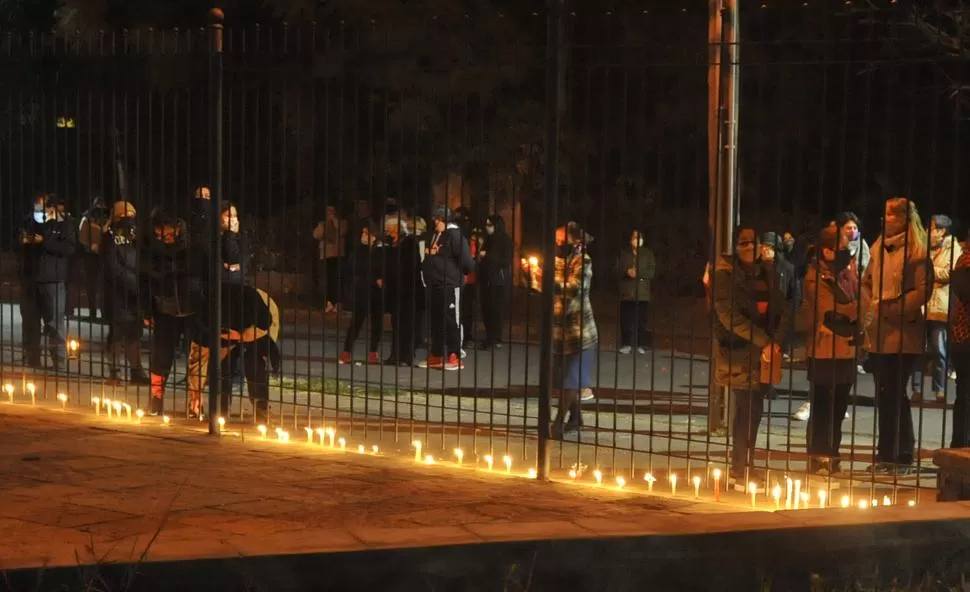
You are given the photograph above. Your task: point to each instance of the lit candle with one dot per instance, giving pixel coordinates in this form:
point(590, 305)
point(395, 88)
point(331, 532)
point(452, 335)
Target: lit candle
point(598, 475)
point(532, 473)
point(63, 399)
point(331, 433)
point(673, 484)
point(697, 487)
point(72, 347)
point(127, 409)
point(508, 463)
point(717, 485)
point(321, 432)
point(375, 449)
point(107, 405)
point(117, 409)
point(8, 388)
point(821, 498)
point(798, 489)
point(279, 433)
point(222, 423)
point(805, 498)
point(572, 473)
point(309, 434)
point(429, 460)
point(650, 479)
point(166, 419)
point(863, 504)
point(342, 443)
point(776, 495)
point(139, 414)
point(285, 436)
point(911, 503)
point(788, 484)
point(489, 461)
point(753, 490)
point(886, 501)
point(460, 455)
point(875, 503)
point(97, 405)
point(33, 392)
point(620, 482)
point(417, 450)
point(361, 449)
point(262, 431)
point(845, 501)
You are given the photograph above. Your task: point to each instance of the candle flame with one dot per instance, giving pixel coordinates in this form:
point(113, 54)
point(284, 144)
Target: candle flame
point(320, 432)
point(360, 448)
point(533, 261)
point(886, 501)
point(375, 449)
point(572, 473)
point(62, 397)
point(752, 487)
point(342, 443)
point(31, 388)
point(863, 504)
point(673, 478)
point(697, 481)
point(72, 344)
point(331, 432)
point(416, 444)
point(94, 400)
point(139, 413)
point(532, 473)
point(285, 436)
point(429, 460)
point(222, 422)
point(649, 478)
point(489, 460)
point(874, 503)
point(508, 463)
point(805, 497)
point(262, 430)
point(8, 388)
point(776, 492)
point(821, 498)
point(598, 475)
point(459, 454)
point(845, 501)
point(166, 419)
point(620, 482)
point(717, 473)
point(911, 503)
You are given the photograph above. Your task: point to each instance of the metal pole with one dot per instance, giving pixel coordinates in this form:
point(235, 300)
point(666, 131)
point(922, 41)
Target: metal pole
point(215, 215)
point(723, 78)
point(554, 99)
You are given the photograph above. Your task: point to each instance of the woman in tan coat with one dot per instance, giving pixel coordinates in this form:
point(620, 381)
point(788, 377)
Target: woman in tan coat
point(829, 316)
point(896, 286)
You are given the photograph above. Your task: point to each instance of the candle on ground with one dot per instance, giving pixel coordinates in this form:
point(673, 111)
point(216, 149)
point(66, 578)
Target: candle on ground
point(650, 479)
point(342, 443)
point(97, 405)
point(285, 436)
point(321, 432)
point(139, 414)
point(331, 434)
point(262, 431)
point(886, 501)
point(8, 388)
point(673, 484)
point(620, 482)
point(309, 434)
point(489, 461)
point(532, 473)
point(911, 503)
point(417, 450)
point(375, 449)
point(166, 419)
point(460, 455)
point(697, 487)
point(32, 390)
point(776, 495)
point(63, 399)
point(845, 501)
point(429, 460)
point(508, 463)
point(863, 504)
point(798, 491)
point(598, 475)
point(72, 347)
point(788, 493)
point(127, 409)
point(821, 498)
point(361, 449)
point(572, 473)
point(717, 485)
point(222, 423)
point(805, 499)
point(753, 490)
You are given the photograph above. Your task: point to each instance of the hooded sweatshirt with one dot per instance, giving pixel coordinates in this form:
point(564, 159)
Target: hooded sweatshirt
point(448, 259)
point(495, 267)
point(173, 286)
point(47, 261)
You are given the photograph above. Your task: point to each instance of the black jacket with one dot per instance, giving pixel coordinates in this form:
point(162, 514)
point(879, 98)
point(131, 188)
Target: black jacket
point(48, 261)
point(174, 289)
point(495, 268)
point(447, 260)
point(123, 290)
point(236, 251)
point(401, 275)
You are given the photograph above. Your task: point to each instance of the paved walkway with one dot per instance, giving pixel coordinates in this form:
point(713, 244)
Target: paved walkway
point(79, 488)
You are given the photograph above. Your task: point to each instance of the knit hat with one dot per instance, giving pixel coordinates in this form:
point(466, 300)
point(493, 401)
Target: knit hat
point(122, 210)
point(441, 213)
point(770, 239)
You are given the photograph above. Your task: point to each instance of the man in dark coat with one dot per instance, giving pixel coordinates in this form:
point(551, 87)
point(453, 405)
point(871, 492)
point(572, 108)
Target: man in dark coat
point(400, 278)
point(495, 276)
point(47, 242)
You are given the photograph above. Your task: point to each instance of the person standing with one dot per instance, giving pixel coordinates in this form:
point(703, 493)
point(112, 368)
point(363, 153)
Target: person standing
point(47, 243)
point(960, 334)
point(331, 234)
point(124, 310)
point(829, 315)
point(751, 320)
point(237, 256)
point(495, 271)
point(850, 238)
point(469, 293)
point(897, 287)
point(91, 231)
point(447, 260)
point(945, 251)
point(400, 280)
point(368, 298)
point(637, 267)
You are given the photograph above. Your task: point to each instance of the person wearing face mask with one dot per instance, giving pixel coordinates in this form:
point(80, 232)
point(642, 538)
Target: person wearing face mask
point(495, 269)
point(47, 243)
point(896, 287)
point(400, 279)
point(829, 316)
point(751, 316)
point(236, 254)
point(124, 310)
point(850, 237)
point(944, 253)
point(447, 260)
point(637, 267)
point(368, 298)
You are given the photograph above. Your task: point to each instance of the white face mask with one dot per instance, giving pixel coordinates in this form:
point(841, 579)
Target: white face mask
point(40, 217)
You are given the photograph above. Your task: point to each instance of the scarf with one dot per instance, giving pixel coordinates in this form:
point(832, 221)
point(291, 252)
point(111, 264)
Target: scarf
point(888, 261)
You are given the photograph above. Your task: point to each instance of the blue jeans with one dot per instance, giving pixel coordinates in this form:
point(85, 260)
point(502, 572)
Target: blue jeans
point(574, 371)
point(937, 337)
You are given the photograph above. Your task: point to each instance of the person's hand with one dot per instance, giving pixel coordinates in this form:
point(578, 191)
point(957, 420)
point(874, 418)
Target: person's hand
point(380, 283)
point(233, 267)
point(631, 273)
point(771, 352)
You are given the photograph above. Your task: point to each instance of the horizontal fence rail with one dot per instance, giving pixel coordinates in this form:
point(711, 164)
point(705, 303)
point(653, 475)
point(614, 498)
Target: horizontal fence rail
point(381, 185)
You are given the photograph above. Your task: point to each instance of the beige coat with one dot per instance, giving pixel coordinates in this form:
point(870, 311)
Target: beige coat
point(944, 260)
point(819, 299)
point(898, 325)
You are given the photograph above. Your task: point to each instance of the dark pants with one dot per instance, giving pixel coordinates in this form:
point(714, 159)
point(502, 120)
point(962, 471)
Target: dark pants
point(124, 337)
point(469, 296)
point(829, 404)
point(44, 306)
point(253, 355)
point(367, 302)
point(444, 306)
point(167, 335)
point(937, 336)
point(494, 306)
point(961, 407)
point(896, 440)
point(634, 324)
point(332, 277)
point(748, 409)
point(92, 282)
point(403, 336)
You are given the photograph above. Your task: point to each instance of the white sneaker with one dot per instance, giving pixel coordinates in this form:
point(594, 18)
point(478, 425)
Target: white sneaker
point(626, 349)
point(464, 354)
point(586, 394)
point(641, 350)
point(847, 416)
point(860, 369)
point(803, 412)
point(952, 375)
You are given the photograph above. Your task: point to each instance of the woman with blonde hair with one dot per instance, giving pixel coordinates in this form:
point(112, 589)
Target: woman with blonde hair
point(896, 288)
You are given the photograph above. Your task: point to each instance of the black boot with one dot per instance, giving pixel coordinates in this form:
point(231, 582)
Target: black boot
point(139, 378)
point(155, 407)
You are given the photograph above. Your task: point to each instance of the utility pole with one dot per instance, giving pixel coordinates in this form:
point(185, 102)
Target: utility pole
point(723, 77)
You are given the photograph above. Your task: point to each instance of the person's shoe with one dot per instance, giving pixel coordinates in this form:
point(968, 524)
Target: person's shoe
point(847, 416)
point(345, 358)
point(625, 350)
point(139, 378)
point(940, 397)
point(373, 358)
point(916, 397)
point(860, 369)
point(464, 354)
point(433, 363)
point(641, 350)
point(156, 406)
point(586, 394)
point(952, 375)
point(454, 363)
point(881, 468)
point(803, 412)
point(198, 413)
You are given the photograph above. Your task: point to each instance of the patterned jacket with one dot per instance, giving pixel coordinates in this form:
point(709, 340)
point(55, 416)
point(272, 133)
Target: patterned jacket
point(960, 301)
point(574, 326)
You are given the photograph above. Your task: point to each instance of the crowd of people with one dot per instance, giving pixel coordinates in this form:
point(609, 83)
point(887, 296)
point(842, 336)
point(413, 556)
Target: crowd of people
point(896, 309)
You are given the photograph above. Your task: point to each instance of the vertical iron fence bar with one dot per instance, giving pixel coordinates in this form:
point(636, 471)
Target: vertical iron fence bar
point(551, 206)
point(215, 215)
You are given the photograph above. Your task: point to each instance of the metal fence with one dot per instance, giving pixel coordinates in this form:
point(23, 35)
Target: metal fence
point(315, 133)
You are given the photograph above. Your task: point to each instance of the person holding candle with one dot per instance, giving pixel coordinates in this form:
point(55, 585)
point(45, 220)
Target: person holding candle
point(896, 287)
point(829, 316)
point(750, 322)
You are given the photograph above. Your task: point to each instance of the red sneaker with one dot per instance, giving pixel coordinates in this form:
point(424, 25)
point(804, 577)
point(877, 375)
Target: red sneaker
point(454, 363)
point(345, 358)
point(432, 362)
point(373, 358)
